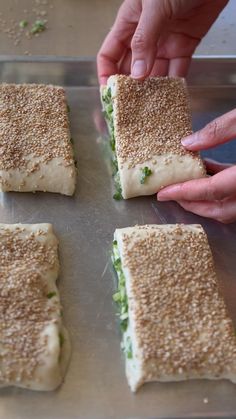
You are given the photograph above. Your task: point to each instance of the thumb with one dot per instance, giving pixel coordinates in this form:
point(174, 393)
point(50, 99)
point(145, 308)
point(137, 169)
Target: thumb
point(144, 41)
point(217, 132)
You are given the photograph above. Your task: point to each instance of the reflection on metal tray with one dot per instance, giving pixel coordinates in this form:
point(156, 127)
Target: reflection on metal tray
point(95, 385)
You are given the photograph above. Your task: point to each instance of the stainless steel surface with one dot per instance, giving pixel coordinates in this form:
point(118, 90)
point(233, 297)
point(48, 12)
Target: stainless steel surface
point(95, 385)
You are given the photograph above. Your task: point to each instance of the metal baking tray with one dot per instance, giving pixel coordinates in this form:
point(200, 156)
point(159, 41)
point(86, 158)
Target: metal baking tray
point(95, 385)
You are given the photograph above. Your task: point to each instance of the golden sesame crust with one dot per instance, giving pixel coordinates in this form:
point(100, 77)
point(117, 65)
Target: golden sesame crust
point(181, 322)
point(25, 310)
point(33, 122)
point(151, 118)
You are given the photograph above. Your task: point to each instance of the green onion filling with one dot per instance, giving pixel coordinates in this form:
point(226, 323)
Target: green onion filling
point(118, 194)
point(51, 294)
point(127, 347)
point(145, 173)
point(61, 339)
point(108, 112)
point(121, 299)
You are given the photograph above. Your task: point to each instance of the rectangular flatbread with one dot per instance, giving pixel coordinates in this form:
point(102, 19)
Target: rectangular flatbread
point(174, 320)
point(34, 345)
point(147, 121)
point(35, 148)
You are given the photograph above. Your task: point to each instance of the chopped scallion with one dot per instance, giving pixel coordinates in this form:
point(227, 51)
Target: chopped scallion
point(38, 26)
point(51, 294)
point(145, 173)
point(118, 196)
point(128, 349)
point(23, 24)
point(116, 297)
point(61, 339)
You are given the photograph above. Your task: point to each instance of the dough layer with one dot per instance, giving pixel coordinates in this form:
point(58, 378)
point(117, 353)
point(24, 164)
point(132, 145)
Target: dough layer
point(178, 324)
point(150, 118)
point(35, 149)
point(34, 345)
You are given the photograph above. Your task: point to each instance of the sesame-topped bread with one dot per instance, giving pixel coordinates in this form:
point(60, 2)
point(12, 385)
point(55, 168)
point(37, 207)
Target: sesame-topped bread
point(35, 149)
point(34, 345)
point(175, 322)
point(147, 120)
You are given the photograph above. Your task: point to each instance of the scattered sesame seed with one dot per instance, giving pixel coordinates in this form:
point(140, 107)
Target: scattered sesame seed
point(10, 26)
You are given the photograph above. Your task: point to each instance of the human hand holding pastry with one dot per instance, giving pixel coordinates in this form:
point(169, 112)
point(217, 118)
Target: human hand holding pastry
point(156, 38)
point(215, 196)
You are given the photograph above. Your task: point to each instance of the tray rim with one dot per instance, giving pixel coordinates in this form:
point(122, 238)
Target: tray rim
point(92, 59)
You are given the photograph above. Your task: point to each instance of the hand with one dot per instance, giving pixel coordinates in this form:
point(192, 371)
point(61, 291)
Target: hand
point(155, 37)
point(213, 197)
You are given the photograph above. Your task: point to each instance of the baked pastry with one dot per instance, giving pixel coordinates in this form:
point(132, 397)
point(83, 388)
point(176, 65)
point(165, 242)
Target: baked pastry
point(146, 122)
point(35, 149)
point(174, 320)
point(34, 345)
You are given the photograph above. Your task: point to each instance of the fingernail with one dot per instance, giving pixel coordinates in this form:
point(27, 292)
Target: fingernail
point(166, 194)
point(139, 69)
point(187, 140)
point(161, 197)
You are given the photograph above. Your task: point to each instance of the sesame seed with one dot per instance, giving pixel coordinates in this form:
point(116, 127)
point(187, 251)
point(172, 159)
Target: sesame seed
point(181, 321)
point(26, 257)
point(151, 119)
point(33, 122)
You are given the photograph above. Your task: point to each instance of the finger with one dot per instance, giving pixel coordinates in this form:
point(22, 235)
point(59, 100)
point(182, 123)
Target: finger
point(224, 211)
point(179, 66)
point(125, 63)
point(219, 131)
point(213, 166)
point(144, 41)
point(112, 51)
point(108, 57)
point(217, 187)
point(160, 67)
point(99, 122)
point(117, 42)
